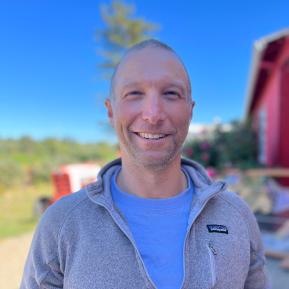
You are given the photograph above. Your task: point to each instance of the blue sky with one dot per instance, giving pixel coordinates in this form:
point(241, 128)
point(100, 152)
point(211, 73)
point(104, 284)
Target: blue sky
point(50, 84)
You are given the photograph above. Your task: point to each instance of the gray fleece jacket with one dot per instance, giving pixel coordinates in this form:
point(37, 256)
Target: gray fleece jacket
point(82, 242)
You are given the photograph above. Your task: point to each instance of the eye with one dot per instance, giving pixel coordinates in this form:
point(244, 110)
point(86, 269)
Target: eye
point(172, 94)
point(133, 94)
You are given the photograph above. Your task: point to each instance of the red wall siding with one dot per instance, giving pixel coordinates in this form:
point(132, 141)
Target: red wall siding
point(277, 110)
point(284, 116)
point(270, 103)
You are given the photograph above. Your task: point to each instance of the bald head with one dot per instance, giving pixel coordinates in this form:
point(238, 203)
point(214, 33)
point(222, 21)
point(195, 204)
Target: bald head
point(147, 44)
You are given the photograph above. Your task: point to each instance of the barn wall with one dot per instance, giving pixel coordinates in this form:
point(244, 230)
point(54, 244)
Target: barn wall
point(275, 105)
point(284, 109)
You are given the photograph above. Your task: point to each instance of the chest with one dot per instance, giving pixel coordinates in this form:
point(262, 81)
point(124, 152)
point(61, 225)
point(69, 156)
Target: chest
point(104, 257)
point(217, 253)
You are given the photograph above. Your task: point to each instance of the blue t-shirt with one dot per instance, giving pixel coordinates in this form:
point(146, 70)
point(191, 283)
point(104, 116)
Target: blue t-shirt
point(159, 227)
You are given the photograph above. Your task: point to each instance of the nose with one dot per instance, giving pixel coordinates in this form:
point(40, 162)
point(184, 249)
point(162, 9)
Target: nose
point(153, 110)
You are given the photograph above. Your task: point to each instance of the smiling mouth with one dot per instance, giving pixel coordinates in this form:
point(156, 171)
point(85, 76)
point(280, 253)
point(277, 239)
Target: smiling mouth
point(151, 136)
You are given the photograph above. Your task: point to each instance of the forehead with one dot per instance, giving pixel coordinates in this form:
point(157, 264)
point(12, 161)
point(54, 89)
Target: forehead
point(149, 65)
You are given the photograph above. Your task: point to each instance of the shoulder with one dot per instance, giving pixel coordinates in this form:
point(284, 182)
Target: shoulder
point(241, 209)
point(233, 200)
point(237, 203)
point(66, 204)
point(45, 244)
point(56, 215)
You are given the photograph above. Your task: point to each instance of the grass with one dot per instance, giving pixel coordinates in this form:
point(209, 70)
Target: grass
point(16, 209)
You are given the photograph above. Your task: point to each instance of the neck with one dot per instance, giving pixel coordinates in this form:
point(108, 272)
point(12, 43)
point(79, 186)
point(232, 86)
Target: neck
point(146, 183)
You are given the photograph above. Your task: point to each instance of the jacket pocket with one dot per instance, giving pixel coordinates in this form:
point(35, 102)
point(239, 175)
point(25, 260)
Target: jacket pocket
point(212, 255)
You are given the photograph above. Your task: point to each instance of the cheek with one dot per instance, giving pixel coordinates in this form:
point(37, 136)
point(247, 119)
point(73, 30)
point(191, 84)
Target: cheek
point(181, 116)
point(124, 115)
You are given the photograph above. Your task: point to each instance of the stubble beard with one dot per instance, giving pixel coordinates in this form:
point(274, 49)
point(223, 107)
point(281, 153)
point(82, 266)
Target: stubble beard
point(139, 158)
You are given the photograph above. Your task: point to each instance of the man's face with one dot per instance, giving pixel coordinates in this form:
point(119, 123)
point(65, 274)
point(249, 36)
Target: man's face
point(151, 107)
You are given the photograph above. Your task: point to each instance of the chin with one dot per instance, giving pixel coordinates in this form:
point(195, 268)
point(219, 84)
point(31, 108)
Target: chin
point(155, 162)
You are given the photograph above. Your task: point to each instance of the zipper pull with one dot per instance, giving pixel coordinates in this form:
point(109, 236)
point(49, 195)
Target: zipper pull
point(214, 251)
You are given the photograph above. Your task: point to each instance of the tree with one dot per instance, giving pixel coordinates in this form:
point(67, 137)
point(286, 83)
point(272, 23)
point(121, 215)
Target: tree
point(122, 29)
point(236, 147)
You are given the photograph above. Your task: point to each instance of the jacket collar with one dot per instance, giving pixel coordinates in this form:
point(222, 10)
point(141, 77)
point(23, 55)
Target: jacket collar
point(205, 187)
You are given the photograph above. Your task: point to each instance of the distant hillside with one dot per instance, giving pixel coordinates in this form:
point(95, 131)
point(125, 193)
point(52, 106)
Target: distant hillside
point(27, 160)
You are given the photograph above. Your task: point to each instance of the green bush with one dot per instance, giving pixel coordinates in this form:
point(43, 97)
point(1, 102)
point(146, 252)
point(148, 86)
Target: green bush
point(30, 161)
point(220, 149)
point(11, 174)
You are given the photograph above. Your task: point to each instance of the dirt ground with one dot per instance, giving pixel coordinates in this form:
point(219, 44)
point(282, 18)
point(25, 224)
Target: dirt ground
point(13, 253)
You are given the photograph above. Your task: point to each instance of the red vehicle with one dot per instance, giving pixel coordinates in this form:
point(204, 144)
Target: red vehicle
point(66, 180)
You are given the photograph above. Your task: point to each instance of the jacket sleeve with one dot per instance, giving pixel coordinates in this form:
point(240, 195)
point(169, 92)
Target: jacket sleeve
point(257, 277)
point(43, 266)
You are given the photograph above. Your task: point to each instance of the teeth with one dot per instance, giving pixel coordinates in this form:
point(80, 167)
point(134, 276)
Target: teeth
point(151, 136)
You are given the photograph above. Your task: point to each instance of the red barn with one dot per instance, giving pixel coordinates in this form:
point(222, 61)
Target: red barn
point(268, 98)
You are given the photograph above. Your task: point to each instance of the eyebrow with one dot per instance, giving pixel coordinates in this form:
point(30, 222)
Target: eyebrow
point(175, 83)
point(128, 84)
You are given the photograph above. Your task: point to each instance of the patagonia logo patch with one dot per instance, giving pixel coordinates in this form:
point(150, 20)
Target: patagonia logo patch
point(214, 228)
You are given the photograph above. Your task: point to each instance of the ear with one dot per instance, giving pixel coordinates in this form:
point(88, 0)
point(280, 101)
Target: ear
point(192, 108)
point(108, 106)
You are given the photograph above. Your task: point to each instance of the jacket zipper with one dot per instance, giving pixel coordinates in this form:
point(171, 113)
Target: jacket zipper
point(185, 243)
point(213, 253)
point(132, 241)
point(212, 248)
point(187, 233)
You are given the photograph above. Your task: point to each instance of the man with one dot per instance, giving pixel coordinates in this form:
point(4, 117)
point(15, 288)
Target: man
point(152, 220)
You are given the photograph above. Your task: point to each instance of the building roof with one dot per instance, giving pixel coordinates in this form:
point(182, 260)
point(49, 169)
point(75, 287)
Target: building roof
point(200, 130)
point(265, 52)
